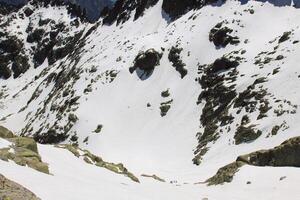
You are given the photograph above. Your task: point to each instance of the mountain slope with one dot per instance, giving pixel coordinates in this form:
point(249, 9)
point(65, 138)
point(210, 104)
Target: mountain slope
point(222, 84)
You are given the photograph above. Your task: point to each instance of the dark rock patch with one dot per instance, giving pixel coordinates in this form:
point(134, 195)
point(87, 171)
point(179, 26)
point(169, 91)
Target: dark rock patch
point(246, 134)
point(146, 61)
point(165, 107)
point(225, 174)
point(221, 37)
point(223, 64)
point(5, 72)
point(122, 10)
point(36, 35)
point(175, 59)
point(20, 65)
point(50, 137)
point(177, 8)
point(28, 11)
point(285, 36)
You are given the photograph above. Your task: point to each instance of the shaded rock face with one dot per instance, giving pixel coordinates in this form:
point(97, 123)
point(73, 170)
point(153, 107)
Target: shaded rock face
point(122, 10)
point(48, 39)
point(20, 65)
point(94, 7)
point(12, 55)
point(73, 8)
point(220, 36)
point(5, 72)
point(176, 8)
point(286, 154)
point(49, 44)
point(10, 190)
point(146, 61)
point(6, 9)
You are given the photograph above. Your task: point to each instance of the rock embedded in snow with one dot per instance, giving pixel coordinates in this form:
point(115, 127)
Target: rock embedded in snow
point(246, 134)
point(221, 37)
point(285, 36)
point(225, 174)
point(146, 61)
point(223, 64)
point(175, 59)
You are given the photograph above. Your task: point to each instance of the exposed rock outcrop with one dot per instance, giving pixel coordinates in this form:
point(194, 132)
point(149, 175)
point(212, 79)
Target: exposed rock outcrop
point(122, 10)
point(225, 174)
point(23, 151)
point(146, 61)
point(10, 190)
point(284, 155)
point(5, 133)
point(246, 134)
point(176, 8)
point(92, 159)
point(175, 59)
point(221, 37)
point(218, 98)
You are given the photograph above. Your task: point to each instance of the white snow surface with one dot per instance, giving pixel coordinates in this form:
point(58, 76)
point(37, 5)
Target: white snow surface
point(136, 135)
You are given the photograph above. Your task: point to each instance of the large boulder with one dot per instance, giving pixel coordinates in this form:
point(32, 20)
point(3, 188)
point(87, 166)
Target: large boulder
point(146, 61)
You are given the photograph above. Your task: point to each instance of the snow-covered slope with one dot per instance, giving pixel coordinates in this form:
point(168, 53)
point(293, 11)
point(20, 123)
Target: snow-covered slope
point(181, 127)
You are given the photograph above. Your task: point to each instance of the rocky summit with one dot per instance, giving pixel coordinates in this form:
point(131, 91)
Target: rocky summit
point(149, 99)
